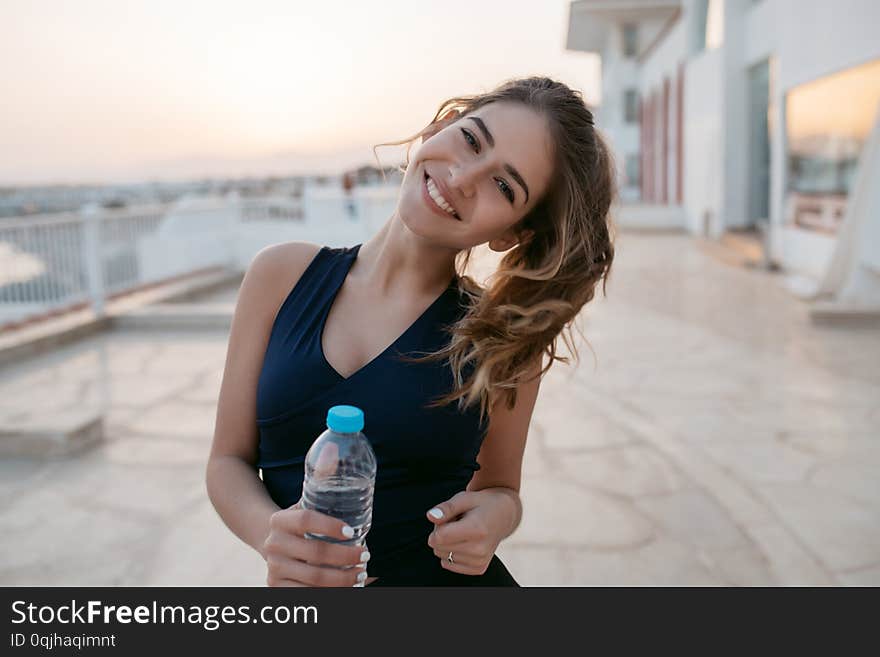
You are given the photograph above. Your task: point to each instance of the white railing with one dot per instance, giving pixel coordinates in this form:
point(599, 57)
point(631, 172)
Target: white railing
point(70, 260)
point(54, 263)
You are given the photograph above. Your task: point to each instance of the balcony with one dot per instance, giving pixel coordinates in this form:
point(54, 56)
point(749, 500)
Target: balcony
point(591, 21)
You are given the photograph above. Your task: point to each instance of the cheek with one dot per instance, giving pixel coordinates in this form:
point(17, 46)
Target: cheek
point(493, 215)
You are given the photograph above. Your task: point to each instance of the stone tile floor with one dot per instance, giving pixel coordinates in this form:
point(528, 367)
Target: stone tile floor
point(718, 438)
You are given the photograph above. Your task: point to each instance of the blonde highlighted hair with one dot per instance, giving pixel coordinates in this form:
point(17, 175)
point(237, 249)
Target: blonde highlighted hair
point(542, 283)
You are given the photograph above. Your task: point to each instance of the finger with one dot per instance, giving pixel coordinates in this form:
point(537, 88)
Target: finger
point(461, 568)
point(441, 545)
point(328, 461)
point(453, 507)
point(316, 552)
point(460, 557)
point(284, 568)
point(298, 521)
point(466, 530)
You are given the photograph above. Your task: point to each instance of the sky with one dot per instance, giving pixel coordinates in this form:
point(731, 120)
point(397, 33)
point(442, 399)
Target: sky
point(104, 91)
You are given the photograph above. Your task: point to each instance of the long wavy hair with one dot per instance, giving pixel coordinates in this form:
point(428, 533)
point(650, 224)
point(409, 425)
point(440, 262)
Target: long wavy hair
point(542, 283)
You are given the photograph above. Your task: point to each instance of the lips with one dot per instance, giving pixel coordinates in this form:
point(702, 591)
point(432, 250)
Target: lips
point(430, 201)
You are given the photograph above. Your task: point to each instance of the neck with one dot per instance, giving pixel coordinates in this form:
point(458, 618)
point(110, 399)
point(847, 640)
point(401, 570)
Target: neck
point(396, 261)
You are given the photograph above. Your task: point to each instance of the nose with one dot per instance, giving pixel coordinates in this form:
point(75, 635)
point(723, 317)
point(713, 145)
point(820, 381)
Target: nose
point(466, 176)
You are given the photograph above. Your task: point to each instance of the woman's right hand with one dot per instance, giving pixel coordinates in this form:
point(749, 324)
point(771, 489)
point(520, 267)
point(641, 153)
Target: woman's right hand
point(294, 560)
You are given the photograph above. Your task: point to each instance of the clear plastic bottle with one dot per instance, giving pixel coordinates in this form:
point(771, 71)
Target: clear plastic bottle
point(340, 474)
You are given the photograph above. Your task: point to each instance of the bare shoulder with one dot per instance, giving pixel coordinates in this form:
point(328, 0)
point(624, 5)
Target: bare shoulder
point(272, 272)
point(284, 263)
point(278, 267)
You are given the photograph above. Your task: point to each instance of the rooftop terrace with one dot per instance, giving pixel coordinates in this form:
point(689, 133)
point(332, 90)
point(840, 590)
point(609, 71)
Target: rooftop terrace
point(720, 438)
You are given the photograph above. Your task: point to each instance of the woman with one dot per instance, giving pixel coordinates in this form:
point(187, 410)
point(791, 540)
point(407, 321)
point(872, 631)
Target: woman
point(447, 372)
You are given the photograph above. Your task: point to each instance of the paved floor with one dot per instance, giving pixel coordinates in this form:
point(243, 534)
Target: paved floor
point(718, 438)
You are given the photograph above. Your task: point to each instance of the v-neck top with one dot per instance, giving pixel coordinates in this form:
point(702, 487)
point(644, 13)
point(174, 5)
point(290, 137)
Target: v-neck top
point(424, 455)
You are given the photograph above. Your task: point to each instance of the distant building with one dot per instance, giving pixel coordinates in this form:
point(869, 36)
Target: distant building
point(372, 175)
point(734, 114)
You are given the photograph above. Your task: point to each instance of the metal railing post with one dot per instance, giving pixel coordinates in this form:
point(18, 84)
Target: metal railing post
point(91, 215)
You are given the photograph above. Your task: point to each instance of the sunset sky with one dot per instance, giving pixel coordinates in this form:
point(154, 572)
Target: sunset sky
point(124, 90)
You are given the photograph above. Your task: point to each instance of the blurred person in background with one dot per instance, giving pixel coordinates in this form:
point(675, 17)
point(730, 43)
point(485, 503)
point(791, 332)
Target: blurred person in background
point(347, 186)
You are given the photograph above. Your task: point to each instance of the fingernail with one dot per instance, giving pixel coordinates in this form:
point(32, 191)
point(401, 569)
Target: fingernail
point(365, 556)
point(437, 513)
point(347, 531)
point(362, 576)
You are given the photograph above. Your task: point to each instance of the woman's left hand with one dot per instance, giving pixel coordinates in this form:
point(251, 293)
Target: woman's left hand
point(471, 527)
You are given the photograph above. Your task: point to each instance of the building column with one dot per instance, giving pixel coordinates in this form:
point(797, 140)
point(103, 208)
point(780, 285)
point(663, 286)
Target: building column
point(679, 136)
point(664, 163)
point(643, 150)
point(734, 120)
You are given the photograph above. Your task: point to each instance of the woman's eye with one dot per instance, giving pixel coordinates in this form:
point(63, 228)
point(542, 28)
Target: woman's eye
point(506, 190)
point(471, 140)
point(504, 187)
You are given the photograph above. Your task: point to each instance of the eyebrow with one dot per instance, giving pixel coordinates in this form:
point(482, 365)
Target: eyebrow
point(510, 169)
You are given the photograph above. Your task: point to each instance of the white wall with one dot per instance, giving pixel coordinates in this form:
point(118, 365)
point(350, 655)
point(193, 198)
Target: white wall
point(734, 116)
point(803, 251)
point(327, 220)
point(618, 74)
point(762, 22)
point(661, 65)
point(664, 60)
point(805, 40)
point(827, 36)
point(703, 143)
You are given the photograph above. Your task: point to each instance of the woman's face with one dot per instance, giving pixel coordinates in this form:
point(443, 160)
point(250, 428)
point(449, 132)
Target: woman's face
point(490, 167)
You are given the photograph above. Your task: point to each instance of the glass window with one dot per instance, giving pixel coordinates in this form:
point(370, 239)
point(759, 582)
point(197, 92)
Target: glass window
point(630, 40)
point(759, 142)
point(827, 123)
point(631, 106)
point(633, 170)
point(700, 9)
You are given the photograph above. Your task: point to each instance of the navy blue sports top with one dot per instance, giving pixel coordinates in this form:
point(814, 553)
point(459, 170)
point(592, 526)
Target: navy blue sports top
point(424, 456)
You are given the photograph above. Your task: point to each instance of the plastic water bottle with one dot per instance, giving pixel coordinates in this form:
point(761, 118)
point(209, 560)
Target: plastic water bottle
point(340, 474)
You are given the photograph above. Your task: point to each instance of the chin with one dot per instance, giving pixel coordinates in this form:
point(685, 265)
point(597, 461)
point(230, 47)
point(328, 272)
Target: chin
point(412, 218)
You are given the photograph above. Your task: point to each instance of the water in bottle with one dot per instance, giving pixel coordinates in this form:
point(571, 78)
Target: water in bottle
point(340, 474)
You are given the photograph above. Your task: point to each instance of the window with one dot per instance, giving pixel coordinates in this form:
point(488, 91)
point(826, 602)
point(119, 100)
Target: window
point(633, 171)
point(700, 10)
point(630, 40)
point(759, 141)
point(824, 146)
point(631, 105)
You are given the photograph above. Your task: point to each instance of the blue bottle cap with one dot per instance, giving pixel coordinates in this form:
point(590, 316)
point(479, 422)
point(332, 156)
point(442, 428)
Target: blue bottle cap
point(345, 419)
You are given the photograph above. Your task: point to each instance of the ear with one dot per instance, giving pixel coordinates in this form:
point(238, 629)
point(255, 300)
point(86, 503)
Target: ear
point(510, 239)
point(501, 244)
point(450, 117)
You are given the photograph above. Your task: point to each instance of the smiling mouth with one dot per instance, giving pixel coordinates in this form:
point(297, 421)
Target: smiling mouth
point(452, 214)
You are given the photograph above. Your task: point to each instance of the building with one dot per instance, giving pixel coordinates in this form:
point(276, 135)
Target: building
point(730, 115)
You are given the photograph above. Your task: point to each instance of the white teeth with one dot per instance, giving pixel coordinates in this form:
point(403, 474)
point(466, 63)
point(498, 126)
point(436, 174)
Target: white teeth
point(438, 197)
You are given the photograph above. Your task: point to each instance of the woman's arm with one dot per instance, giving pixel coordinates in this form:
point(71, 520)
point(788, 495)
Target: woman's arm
point(501, 453)
point(235, 489)
point(510, 512)
point(240, 499)
point(472, 523)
